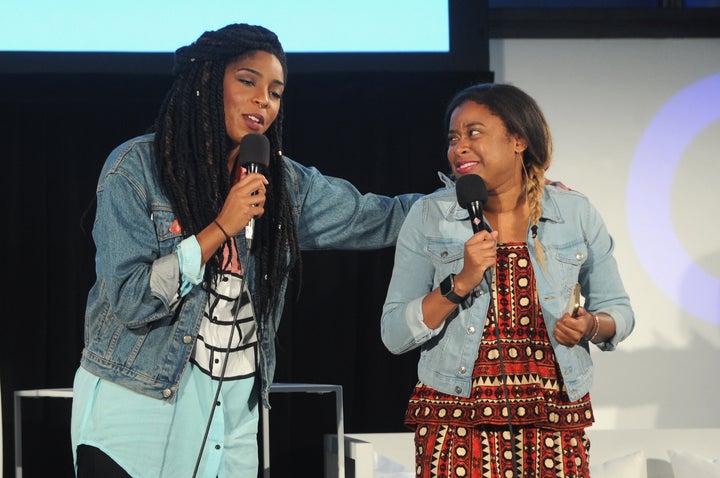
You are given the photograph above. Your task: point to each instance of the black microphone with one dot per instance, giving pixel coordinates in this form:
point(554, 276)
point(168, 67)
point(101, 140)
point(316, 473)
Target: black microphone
point(471, 195)
point(254, 155)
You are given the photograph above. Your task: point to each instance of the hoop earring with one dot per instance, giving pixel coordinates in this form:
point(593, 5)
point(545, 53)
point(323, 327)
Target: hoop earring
point(526, 176)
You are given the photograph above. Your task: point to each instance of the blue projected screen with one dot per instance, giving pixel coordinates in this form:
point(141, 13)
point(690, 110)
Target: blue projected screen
point(307, 26)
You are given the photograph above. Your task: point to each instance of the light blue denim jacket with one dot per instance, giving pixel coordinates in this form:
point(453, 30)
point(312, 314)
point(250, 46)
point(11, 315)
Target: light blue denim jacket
point(134, 336)
point(577, 248)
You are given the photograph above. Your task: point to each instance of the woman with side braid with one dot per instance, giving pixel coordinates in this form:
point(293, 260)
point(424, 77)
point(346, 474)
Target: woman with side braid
point(183, 302)
point(505, 369)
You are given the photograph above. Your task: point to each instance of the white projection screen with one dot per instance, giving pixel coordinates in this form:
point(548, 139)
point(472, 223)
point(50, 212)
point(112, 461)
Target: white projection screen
point(81, 36)
point(309, 26)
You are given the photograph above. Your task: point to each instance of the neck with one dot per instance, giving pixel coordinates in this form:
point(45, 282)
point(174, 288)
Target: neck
point(508, 213)
point(232, 157)
point(506, 199)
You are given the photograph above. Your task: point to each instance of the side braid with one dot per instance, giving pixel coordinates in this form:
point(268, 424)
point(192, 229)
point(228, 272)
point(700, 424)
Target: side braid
point(534, 190)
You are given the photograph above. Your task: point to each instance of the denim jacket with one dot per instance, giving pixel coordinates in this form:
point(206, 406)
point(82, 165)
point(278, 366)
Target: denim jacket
point(133, 336)
point(577, 247)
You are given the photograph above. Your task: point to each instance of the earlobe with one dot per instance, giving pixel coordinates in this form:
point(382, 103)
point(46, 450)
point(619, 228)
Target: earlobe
point(520, 145)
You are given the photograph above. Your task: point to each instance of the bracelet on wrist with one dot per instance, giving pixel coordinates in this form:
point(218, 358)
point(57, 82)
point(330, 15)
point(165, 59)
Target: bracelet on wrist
point(596, 329)
point(227, 238)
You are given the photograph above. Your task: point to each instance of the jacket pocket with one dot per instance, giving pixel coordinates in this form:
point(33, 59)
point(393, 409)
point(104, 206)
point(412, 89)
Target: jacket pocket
point(568, 259)
point(167, 229)
point(446, 255)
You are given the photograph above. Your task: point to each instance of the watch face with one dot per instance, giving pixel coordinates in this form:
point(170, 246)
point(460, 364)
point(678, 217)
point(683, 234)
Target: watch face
point(447, 289)
point(447, 285)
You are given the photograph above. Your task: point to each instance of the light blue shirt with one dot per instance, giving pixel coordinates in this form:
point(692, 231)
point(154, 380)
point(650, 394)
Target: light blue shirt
point(152, 438)
point(115, 419)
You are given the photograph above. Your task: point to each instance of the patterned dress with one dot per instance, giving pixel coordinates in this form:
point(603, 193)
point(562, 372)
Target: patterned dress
point(515, 370)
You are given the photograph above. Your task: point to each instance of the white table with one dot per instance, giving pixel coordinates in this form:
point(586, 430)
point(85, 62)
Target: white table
point(274, 388)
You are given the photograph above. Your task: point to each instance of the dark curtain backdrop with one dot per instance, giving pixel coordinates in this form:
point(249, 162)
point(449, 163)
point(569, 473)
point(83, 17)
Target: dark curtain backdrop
point(382, 131)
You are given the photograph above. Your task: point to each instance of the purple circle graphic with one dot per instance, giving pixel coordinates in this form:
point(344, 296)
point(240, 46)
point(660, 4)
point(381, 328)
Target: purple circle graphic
point(660, 149)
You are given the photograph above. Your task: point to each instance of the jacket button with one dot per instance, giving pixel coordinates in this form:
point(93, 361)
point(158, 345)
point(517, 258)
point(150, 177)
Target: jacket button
point(458, 390)
point(462, 370)
point(167, 393)
point(471, 330)
point(579, 256)
point(187, 339)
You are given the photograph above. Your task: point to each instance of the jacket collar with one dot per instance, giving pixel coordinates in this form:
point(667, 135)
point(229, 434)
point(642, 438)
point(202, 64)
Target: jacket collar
point(550, 209)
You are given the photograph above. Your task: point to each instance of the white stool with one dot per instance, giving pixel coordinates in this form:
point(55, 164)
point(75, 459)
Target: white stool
point(308, 388)
point(19, 395)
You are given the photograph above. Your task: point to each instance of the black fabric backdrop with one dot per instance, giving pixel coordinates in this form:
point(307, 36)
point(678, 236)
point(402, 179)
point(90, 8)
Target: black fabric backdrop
point(382, 131)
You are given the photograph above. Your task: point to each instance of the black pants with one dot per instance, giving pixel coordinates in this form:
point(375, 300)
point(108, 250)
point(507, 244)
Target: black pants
point(93, 463)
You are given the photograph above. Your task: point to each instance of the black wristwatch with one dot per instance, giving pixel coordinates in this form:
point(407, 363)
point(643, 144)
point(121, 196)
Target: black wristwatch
point(447, 289)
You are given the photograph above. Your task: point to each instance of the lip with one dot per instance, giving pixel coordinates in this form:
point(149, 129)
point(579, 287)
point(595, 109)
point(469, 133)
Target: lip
point(254, 121)
point(464, 167)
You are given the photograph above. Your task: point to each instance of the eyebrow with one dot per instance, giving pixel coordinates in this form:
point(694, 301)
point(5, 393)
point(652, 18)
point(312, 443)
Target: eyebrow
point(257, 73)
point(469, 125)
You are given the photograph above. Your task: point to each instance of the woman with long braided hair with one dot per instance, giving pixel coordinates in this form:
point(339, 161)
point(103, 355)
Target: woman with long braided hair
point(194, 252)
point(485, 271)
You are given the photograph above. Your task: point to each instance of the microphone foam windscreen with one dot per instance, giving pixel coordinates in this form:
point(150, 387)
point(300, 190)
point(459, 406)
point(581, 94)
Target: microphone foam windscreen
point(254, 148)
point(470, 188)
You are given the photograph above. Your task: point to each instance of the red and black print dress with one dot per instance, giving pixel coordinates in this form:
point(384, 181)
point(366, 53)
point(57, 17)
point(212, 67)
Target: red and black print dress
point(470, 437)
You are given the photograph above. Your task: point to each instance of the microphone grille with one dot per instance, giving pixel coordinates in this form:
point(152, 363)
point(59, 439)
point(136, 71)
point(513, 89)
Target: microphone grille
point(470, 188)
point(254, 148)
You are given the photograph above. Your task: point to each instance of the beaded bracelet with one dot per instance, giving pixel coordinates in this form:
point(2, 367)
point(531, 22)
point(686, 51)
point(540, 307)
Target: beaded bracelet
point(227, 238)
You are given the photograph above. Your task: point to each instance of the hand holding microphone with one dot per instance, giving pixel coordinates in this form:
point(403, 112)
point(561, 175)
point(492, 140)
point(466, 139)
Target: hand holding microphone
point(246, 199)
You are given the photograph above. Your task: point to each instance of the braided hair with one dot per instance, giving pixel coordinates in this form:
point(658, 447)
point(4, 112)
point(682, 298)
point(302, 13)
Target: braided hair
point(522, 117)
point(192, 148)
